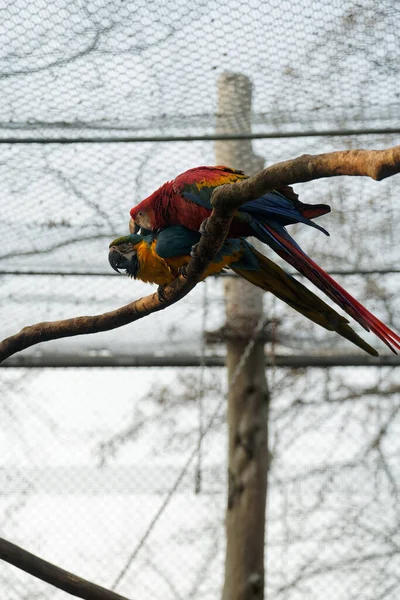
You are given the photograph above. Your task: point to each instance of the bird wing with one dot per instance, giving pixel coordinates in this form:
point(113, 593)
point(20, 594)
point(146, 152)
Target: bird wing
point(275, 206)
point(175, 241)
point(198, 184)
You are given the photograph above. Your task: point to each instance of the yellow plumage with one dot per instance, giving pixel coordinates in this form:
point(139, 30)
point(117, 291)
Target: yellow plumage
point(154, 269)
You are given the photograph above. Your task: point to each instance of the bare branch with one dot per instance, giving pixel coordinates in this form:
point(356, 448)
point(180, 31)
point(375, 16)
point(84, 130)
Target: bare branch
point(217, 228)
point(377, 164)
point(63, 580)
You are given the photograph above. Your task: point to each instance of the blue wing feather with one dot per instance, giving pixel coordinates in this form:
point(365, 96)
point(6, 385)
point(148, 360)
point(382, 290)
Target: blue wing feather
point(272, 205)
point(276, 207)
point(201, 197)
point(176, 241)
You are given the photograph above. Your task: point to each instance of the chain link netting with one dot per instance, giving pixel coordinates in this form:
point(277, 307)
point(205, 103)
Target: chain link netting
point(101, 102)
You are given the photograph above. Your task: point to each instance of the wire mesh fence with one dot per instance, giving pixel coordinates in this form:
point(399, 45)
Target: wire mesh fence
point(101, 102)
point(84, 476)
point(137, 67)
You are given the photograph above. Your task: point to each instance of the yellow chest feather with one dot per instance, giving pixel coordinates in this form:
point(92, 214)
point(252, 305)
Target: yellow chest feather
point(153, 268)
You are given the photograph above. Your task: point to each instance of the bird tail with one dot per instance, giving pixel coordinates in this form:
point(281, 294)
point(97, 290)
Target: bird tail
point(284, 245)
point(312, 211)
point(271, 278)
point(309, 211)
point(286, 211)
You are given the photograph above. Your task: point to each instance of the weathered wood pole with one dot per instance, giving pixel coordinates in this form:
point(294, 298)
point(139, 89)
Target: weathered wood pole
point(248, 395)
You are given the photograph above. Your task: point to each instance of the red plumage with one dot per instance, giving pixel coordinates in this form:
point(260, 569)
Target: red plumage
point(186, 201)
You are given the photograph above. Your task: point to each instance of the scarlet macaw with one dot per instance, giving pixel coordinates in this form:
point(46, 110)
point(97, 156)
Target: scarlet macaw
point(157, 258)
point(186, 201)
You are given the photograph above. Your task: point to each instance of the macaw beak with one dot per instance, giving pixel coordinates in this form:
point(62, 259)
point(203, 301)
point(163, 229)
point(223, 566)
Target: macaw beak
point(117, 260)
point(133, 226)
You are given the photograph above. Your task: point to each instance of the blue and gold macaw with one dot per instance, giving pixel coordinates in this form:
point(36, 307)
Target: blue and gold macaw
point(158, 257)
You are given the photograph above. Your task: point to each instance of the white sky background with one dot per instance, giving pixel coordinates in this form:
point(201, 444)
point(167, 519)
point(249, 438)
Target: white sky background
point(152, 70)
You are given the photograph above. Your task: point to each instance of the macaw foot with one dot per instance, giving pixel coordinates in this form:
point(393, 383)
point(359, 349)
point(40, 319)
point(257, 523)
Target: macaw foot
point(194, 250)
point(182, 271)
point(202, 228)
point(160, 292)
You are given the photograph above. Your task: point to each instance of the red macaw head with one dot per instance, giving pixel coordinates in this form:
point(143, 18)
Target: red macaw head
point(142, 218)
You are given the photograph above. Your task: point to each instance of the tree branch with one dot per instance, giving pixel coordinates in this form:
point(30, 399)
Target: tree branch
point(63, 580)
point(377, 164)
point(217, 229)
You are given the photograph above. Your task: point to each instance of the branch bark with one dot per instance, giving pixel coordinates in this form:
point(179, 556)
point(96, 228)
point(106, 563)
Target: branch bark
point(377, 164)
point(63, 580)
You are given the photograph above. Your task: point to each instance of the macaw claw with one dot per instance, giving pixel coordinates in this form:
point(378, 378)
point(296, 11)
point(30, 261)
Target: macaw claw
point(183, 271)
point(160, 292)
point(193, 252)
point(203, 227)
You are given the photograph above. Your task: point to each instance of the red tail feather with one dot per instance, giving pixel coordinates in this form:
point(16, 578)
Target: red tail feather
point(305, 265)
point(312, 211)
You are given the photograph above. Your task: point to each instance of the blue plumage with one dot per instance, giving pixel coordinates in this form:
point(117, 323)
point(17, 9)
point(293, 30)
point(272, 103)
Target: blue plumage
point(275, 207)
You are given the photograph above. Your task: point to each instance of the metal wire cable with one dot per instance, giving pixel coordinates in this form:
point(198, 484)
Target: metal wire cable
point(130, 139)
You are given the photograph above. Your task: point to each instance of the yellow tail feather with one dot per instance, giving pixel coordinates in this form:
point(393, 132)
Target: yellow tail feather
point(271, 278)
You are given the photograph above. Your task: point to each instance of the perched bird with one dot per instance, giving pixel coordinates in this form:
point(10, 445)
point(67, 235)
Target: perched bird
point(158, 258)
point(186, 201)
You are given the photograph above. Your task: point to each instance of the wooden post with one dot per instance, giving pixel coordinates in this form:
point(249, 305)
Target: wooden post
point(248, 396)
